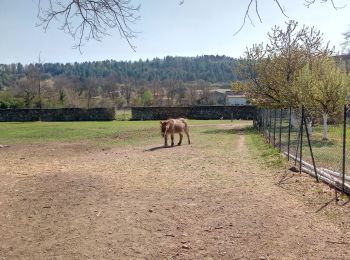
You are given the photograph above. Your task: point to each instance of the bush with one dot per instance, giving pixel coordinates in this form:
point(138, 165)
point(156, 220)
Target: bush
point(7, 100)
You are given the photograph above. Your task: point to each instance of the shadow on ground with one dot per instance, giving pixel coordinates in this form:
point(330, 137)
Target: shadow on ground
point(159, 147)
point(240, 131)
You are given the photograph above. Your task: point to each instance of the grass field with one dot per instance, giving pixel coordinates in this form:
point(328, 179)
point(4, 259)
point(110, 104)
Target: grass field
point(111, 131)
point(327, 153)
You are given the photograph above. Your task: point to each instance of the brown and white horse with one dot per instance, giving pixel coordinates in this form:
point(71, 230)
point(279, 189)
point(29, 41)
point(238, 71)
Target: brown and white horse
point(174, 126)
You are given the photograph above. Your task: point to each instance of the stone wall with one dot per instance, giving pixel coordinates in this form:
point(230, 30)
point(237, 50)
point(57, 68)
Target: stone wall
point(194, 112)
point(61, 114)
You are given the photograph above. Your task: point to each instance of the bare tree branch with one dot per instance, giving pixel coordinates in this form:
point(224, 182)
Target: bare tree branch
point(90, 19)
point(308, 3)
point(247, 14)
point(281, 9)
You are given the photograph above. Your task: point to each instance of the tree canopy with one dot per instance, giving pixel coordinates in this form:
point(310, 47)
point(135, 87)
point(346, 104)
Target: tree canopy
point(273, 68)
point(208, 68)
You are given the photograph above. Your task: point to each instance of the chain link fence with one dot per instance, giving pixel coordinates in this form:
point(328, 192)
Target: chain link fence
point(316, 145)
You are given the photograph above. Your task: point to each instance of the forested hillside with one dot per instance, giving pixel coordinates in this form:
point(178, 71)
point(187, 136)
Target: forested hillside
point(207, 68)
point(170, 81)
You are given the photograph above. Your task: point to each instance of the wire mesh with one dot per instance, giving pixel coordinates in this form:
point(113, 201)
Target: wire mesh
point(318, 138)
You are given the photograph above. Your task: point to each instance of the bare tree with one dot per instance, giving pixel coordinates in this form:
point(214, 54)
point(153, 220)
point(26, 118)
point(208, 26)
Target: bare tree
point(253, 7)
point(346, 43)
point(34, 78)
point(90, 19)
point(38, 71)
point(126, 90)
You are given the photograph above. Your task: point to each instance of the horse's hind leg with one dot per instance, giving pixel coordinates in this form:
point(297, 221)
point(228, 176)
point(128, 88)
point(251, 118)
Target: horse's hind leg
point(181, 135)
point(188, 136)
point(172, 139)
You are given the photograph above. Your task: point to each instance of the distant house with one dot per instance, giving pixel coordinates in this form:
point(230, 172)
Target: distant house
point(226, 97)
point(236, 100)
point(218, 96)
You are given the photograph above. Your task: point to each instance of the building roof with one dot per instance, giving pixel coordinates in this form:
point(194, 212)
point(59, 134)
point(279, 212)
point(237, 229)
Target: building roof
point(236, 96)
point(221, 90)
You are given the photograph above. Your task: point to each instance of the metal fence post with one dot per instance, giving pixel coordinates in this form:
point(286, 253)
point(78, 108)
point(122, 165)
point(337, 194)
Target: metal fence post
point(289, 129)
point(266, 122)
point(280, 136)
point(270, 126)
point(274, 127)
point(301, 138)
point(263, 121)
point(344, 148)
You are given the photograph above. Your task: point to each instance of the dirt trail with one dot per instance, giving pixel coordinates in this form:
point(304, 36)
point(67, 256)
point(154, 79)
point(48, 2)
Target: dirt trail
point(208, 200)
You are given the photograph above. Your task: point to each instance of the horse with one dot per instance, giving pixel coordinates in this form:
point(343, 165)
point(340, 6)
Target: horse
point(174, 126)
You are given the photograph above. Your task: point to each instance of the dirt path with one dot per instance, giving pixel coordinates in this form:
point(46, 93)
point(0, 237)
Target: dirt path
point(209, 200)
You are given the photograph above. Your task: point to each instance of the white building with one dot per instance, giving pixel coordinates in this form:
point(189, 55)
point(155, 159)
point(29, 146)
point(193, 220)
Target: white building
point(236, 100)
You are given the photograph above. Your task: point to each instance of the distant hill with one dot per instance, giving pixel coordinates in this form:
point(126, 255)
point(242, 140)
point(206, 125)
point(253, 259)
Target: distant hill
point(345, 60)
point(208, 68)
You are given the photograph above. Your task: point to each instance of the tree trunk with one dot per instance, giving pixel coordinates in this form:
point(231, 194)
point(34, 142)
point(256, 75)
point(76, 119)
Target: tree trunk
point(309, 127)
point(325, 127)
point(294, 121)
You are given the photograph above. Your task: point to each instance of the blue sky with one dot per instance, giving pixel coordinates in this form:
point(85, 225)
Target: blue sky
point(195, 28)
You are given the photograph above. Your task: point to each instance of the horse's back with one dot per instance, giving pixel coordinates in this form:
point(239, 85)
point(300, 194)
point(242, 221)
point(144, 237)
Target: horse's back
point(178, 125)
point(184, 121)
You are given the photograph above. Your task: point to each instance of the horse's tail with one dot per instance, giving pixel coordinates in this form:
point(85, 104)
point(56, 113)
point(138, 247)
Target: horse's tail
point(183, 120)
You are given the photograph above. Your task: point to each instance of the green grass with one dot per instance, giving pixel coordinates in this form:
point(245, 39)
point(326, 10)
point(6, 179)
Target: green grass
point(106, 131)
point(36, 132)
point(269, 155)
point(327, 153)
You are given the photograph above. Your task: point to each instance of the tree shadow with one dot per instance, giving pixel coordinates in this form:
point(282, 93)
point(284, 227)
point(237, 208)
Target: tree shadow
point(325, 205)
point(323, 143)
point(231, 131)
point(285, 178)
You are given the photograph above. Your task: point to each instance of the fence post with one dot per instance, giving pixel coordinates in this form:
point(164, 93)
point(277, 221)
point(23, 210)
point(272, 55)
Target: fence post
point(280, 137)
point(289, 129)
point(266, 120)
point(274, 127)
point(344, 149)
point(298, 146)
point(262, 120)
point(301, 138)
point(270, 126)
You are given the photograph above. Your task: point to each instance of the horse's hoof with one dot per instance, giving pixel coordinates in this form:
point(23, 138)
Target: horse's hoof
point(172, 145)
point(178, 144)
